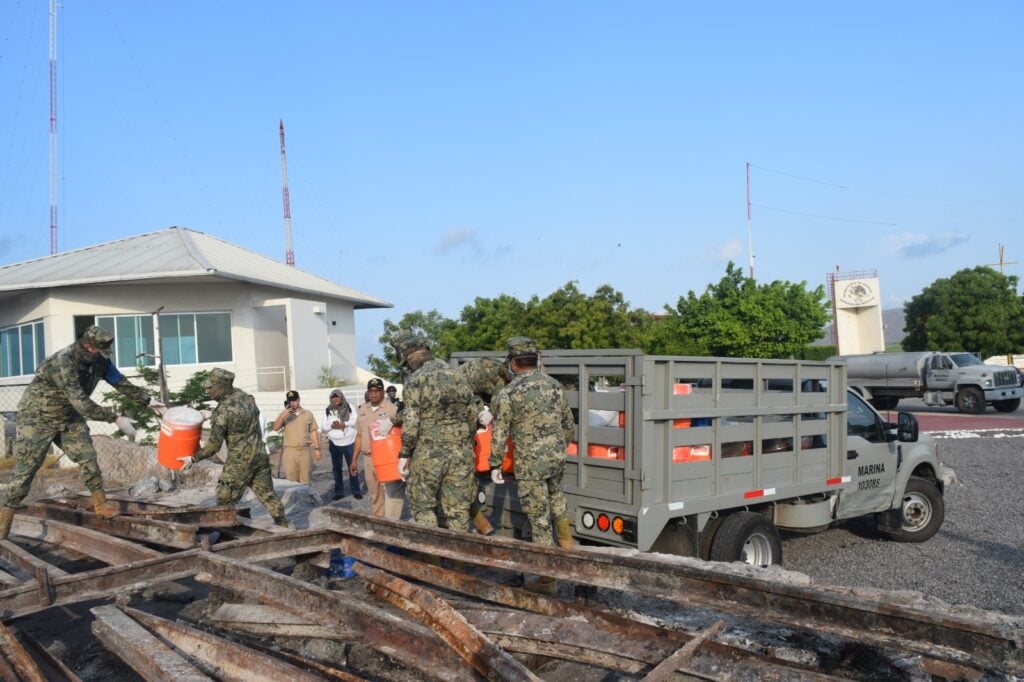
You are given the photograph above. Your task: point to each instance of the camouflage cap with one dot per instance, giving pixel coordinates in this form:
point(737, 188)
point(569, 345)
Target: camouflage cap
point(220, 377)
point(521, 346)
point(98, 338)
point(405, 342)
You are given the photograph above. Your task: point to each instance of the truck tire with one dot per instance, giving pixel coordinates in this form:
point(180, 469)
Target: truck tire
point(1006, 405)
point(921, 512)
point(970, 400)
point(749, 537)
point(885, 403)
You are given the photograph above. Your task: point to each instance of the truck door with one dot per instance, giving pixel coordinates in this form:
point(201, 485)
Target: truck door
point(870, 461)
point(940, 374)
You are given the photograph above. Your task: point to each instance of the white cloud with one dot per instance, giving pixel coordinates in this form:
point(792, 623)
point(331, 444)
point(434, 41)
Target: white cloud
point(919, 245)
point(455, 237)
point(731, 250)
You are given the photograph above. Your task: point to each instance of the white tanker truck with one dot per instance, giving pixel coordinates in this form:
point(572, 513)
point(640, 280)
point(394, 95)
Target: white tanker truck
point(938, 378)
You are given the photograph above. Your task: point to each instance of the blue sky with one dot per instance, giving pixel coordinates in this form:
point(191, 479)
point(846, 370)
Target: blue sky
point(439, 151)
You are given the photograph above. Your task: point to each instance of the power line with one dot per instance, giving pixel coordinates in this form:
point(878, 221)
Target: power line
point(825, 217)
point(879, 192)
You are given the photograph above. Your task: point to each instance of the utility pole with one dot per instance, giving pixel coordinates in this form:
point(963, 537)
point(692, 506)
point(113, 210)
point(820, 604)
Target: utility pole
point(289, 255)
point(1001, 262)
point(53, 127)
point(750, 232)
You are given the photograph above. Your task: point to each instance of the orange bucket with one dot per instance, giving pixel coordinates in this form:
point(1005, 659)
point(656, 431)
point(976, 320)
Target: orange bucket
point(482, 449)
point(179, 436)
point(384, 453)
point(691, 453)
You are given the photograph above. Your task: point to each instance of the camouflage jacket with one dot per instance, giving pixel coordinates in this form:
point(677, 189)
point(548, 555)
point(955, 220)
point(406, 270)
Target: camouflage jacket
point(438, 409)
point(532, 410)
point(236, 421)
point(60, 390)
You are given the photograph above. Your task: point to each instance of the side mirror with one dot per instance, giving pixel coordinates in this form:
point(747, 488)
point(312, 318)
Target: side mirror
point(906, 428)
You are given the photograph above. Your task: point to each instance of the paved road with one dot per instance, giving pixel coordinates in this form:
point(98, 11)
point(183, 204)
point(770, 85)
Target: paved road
point(976, 558)
point(949, 418)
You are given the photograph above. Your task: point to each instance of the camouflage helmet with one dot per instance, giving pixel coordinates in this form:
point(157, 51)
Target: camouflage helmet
point(405, 342)
point(220, 378)
point(521, 347)
point(98, 338)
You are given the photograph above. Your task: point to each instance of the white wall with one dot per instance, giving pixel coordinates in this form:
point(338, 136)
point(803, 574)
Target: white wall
point(270, 327)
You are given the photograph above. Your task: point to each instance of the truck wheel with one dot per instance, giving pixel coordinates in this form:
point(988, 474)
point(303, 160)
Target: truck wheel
point(921, 512)
point(885, 403)
point(971, 400)
point(747, 536)
point(1006, 405)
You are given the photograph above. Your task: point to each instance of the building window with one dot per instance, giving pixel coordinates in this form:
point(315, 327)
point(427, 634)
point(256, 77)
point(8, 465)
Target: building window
point(188, 338)
point(21, 349)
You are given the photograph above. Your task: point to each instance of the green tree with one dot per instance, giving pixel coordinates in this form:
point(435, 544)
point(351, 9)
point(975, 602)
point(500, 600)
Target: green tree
point(976, 310)
point(737, 317)
point(436, 327)
point(147, 423)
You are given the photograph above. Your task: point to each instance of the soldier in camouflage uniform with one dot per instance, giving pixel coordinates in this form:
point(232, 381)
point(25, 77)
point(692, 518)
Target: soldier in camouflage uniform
point(236, 421)
point(533, 410)
point(437, 424)
point(486, 376)
point(54, 409)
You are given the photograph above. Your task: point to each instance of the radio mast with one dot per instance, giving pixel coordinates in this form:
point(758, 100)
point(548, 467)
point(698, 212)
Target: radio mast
point(289, 255)
point(53, 127)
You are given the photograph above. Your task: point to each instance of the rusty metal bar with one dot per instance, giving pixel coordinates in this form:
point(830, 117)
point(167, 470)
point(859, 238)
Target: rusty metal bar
point(233, 662)
point(963, 638)
point(207, 517)
point(177, 535)
point(268, 621)
point(53, 670)
point(92, 543)
point(278, 545)
point(144, 652)
point(27, 561)
point(486, 658)
point(17, 660)
point(324, 671)
point(409, 643)
point(664, 671)
point(584, 634)
point(101, 583)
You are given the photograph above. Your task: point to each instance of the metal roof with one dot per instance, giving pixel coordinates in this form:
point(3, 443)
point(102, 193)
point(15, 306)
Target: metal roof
point(178, 253)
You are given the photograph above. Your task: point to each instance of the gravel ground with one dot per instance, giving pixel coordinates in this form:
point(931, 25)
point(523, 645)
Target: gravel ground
point(977, 557)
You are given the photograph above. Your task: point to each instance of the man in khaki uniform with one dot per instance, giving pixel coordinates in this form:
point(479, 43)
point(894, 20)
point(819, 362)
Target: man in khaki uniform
point(300, 440)
point(370, 412)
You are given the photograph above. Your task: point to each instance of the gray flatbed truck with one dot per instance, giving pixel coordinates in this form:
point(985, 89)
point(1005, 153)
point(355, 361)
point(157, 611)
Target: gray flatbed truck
point(709, 457)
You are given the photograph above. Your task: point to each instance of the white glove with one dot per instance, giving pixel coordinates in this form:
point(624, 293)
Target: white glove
point(157, 406)
point(383, 427)
point(207, 414)
point(125, 424)
point(403, 467)
point(485, 417)
point(497, 477)
point(186, 462)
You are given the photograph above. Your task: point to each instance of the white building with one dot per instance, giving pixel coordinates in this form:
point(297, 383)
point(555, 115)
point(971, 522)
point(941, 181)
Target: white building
point(220, 305)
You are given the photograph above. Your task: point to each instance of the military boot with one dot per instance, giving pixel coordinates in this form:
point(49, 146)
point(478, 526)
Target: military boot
point(101, 507)
point(563, 531)
point(483, 526)
point(6, 517)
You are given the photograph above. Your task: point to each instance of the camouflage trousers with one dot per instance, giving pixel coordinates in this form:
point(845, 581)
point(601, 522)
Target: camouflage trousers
point(445, 475)
point(241, 472)
point(542, 499)
point(33, 442)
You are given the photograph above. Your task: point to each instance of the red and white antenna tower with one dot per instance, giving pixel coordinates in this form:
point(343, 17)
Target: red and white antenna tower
point(53, 127)
point(750, 231)
point(289, 255)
